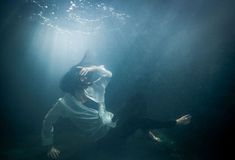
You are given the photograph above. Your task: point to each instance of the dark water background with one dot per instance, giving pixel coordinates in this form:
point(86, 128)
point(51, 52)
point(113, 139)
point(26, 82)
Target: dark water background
point(179, 54)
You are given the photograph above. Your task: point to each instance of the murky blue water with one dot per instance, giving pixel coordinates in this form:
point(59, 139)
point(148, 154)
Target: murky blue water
point(177, 54)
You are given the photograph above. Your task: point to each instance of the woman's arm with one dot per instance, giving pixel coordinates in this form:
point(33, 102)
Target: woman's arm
point(47, 126)
point(99, 69)
point(104, 75)
point(47, 129)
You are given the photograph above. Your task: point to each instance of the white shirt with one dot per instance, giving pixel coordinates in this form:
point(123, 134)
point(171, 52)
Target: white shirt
point(94, 123)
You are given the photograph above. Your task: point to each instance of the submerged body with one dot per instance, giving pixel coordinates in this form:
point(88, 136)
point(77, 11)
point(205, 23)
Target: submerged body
point(86, 119)
point(94, 122)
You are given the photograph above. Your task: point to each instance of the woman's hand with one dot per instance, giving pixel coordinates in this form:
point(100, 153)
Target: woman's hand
point(184, 120)
point(53, 153)
point(106, 118)
point(100, 69)
point(86, 70)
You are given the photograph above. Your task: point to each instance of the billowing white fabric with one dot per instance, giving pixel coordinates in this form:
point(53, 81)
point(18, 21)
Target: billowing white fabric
point(94, 123)
point(96, 92)
point(86, 119)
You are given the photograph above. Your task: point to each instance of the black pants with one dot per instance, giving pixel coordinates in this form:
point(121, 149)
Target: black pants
point(130, 118)
point(118, 136)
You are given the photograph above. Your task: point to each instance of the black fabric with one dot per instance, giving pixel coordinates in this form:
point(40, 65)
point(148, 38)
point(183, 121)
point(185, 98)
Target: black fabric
point(92, 104)
point(118, 136)
point(130, 118)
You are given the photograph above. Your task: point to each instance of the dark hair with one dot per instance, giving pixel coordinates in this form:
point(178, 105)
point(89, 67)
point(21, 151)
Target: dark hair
point(70, 82)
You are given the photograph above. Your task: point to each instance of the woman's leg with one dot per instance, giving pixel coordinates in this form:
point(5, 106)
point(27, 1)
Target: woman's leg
point(118, 136)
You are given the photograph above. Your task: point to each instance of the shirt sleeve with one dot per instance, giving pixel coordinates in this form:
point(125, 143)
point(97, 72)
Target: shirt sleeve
point(49, 120)
point(96, 92)
point(105, 76)
point(102, 81)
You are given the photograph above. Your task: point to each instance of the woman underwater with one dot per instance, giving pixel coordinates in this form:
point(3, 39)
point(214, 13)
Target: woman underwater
point(83, 85)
